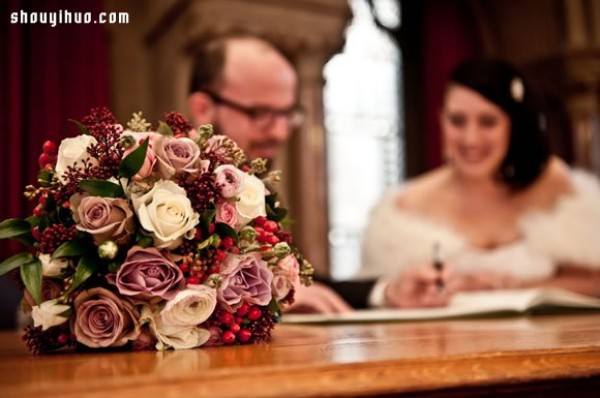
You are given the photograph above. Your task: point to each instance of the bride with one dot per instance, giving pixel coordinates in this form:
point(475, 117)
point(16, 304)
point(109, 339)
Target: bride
point(503, 211)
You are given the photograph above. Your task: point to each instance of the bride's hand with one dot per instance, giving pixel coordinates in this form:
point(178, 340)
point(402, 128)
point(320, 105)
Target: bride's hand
point(420, 287)
point(319, 299)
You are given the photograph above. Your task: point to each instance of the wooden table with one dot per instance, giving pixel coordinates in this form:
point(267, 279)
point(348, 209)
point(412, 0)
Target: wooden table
point(539, 356)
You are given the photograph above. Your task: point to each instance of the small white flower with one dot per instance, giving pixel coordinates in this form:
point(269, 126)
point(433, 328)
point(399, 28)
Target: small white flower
point(167, 213)
point(72, 152)
point(52, 268)
point(251, 202)
point(48, 313)
point(173, 336)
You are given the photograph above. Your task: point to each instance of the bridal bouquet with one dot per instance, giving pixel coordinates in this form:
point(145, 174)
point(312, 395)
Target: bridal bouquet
point(152, 238)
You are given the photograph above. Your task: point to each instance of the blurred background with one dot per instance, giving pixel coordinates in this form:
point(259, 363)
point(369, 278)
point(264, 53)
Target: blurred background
point(371, 74)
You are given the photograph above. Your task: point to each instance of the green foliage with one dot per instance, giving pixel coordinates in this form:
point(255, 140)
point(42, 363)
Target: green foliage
point(15, 262)
point(102, 188)
point(72, 248)
point(82, 129)
point(13, 227)
point(31, 275)
point(134, 161)
point(164, 129)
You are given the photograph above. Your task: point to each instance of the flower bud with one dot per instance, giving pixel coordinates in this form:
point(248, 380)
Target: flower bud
point(108, 250)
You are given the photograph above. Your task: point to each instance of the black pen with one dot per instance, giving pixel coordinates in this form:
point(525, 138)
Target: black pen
point(438, 264)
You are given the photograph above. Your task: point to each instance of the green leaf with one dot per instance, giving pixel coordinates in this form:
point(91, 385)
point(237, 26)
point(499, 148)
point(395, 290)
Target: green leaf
point(13, 227)
point(34, 221)
point(102, 188)
point(86, 267)
point(15, 261)
point(71, 248)
point(134, 161)
point(205, 220)
point(31, 274)
point(164, 129)
point(276, 214)
point(80, 126)
point(225, 230)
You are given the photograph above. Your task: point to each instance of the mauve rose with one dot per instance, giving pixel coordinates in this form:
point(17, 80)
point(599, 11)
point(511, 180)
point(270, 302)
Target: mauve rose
point(231, 178)
point(247, 278)
point(176, 155)
point(103, 218)
point(227, 213)
point(147, 273)
point(104, 320)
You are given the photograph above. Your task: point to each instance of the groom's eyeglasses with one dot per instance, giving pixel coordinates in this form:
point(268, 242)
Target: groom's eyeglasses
point(263, 116)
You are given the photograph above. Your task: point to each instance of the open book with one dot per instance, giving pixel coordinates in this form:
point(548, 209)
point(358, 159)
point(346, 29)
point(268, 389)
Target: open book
point(468, 304)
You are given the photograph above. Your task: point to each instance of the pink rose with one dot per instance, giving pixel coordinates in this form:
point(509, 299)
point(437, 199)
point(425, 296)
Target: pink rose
point(103, 320)
point(285, 276)
point(150, 160)
point(103, 218)
point(177, 155)
point(247, 278)
point(147, 273)
point(232, 179)
point(227, 213)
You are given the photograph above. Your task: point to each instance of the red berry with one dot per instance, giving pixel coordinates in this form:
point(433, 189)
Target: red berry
point(66, 205)
point(243, 310)
point(37, 211)
point(221, 255)
point(270, 226)
point(36, 233)
point(211, 228)
point(44, 159)
point(198, 234)
point(227, 242)
point(226, 318)
point(272, 240)
point(254, 314)
point(265, 248)
point(193, 280)
point(228, 337)
point(215, 269)
point(259, 221)
point(62, 339)
point(49, 147)
point(234, 328)
point(244, 335)
point(184, 268)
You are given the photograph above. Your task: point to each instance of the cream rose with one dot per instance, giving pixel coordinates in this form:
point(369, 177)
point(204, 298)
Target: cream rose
point(190, 307)
point(167, 213)
point(51, 267)
point(251, 202)
point(173, 336)
point(48, 313)
point(72, 152)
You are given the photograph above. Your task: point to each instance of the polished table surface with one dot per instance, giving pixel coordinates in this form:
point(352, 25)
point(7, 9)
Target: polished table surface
point(447, 358)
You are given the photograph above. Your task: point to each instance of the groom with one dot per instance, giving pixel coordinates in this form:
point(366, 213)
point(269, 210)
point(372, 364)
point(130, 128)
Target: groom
point(248, 90)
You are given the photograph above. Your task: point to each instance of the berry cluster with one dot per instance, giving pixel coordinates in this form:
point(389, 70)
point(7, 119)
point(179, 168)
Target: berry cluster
point(249, 324)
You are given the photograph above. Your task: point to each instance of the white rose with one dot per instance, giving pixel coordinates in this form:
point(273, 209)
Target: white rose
point(72, 152)
point(51, 267)
point(48, 313)
point(190, 307)
point(173, 336)
point(251, 202)
point(167, 213)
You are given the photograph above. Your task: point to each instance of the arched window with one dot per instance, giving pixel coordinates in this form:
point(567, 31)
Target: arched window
point(364, 130)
